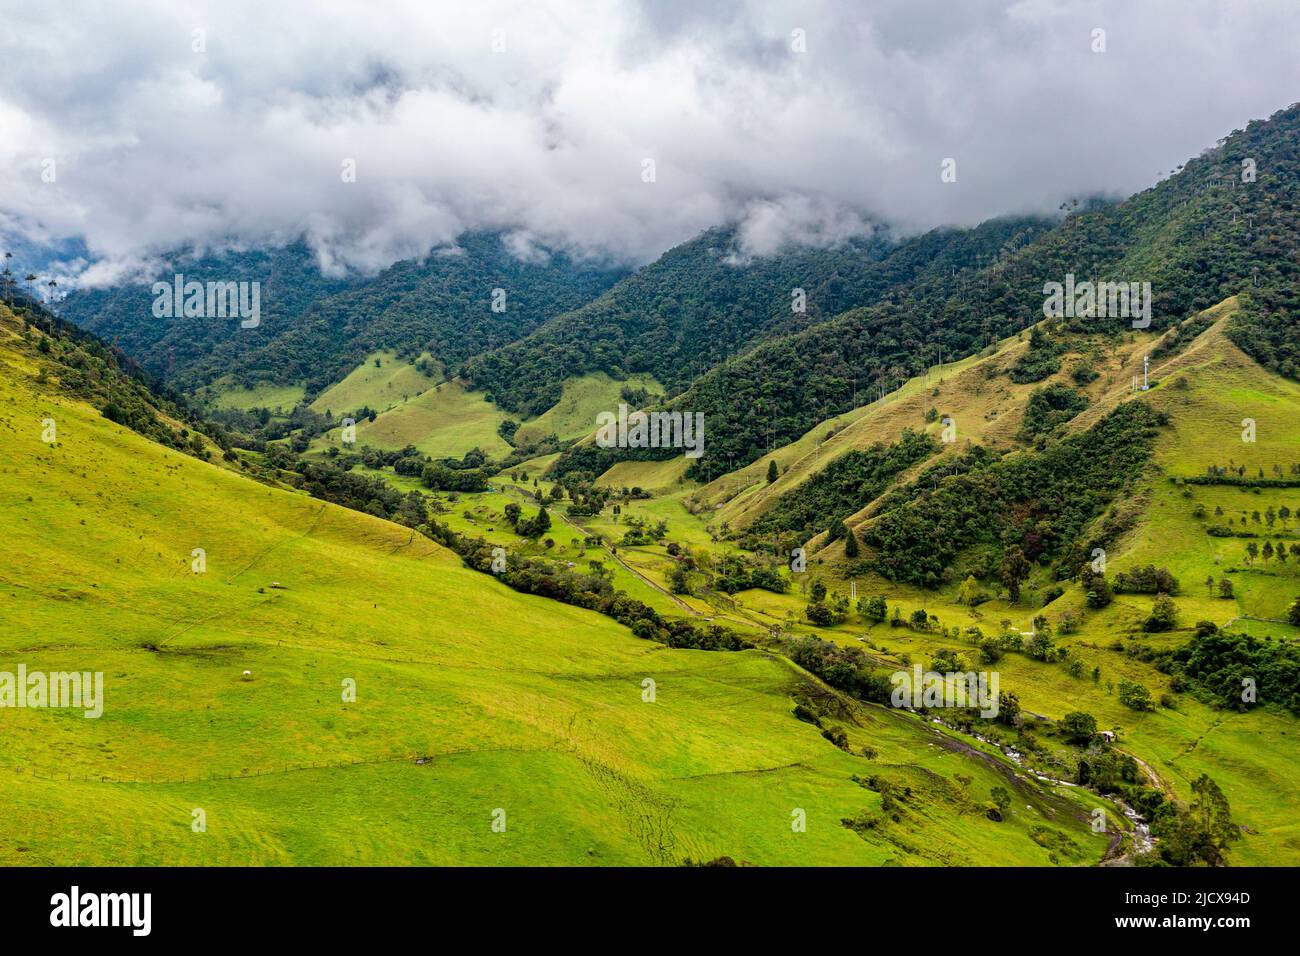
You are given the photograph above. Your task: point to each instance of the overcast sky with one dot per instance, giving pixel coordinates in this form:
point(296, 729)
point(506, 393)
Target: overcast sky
point(802, 121)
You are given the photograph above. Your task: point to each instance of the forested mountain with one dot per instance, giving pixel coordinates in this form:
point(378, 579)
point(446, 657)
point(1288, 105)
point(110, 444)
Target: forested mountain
point(192, 352)
point(315, 329)
point(704, 302)
point(1202, 235)
point(443, 305)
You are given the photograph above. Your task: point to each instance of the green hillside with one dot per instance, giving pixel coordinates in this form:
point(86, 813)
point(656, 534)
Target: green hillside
point(1198, 237)
point(380, 382)
point(1175, 511)
point(707, 300)
point(224, 694)
point(314, 330)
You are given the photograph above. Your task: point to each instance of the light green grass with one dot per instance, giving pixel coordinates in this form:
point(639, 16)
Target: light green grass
point(390, 383)
point(521, 704)
point(278, 398)
point(581, 400)
point(442, 421)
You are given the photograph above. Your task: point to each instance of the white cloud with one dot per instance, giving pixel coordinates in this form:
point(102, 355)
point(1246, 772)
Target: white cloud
point(158, 146)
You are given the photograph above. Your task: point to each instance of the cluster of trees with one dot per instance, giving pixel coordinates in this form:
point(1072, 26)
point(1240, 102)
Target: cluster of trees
point(91, 370)
point(1146, 579)
point(440, 477)
point(1267, 327)
point(1031, 505)
point(1041, 359)
point(1049, 407)
point(741, 572)
point(700, 303)
point(590, 590)
point(844, 668)
point(840, 489)
point(1216, 666)
point(1270, 551)
point(330, 481)
point(533, 527)
point(315, 329)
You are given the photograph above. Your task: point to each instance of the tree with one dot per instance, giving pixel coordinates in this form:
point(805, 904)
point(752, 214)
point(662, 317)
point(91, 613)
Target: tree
point(1164, 614)
point(1293, 613)
point(680, 581)
point(819, 613)
point(1008, 708)
point(1015, 568)
point(850, 542)
point(1225, 588)
point(773, 472)
point(1213, 818)
point(1135, 696)
point(970, 593)
point(874, 609)
point(1079, 727)
point(1097, 592)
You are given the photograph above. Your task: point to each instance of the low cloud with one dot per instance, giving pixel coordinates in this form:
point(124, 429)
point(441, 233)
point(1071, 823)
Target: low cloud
point(209, 125)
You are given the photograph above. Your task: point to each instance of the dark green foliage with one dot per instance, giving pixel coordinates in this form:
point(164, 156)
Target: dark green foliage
point(439, 477)
point(873, 609)
point(1267, 328)
point(1041, 359)
point(1163, 616)
point(1197, 835)
point(101, 375)
point(1133, 695)
point(1050, 406)
point(1079, 727)
point(188, 352)
point(1146, 579)
point(845, 668)
point(741, 572)
point(1082, 373)
point(843, 487)
point(1215, 664)
point(317, 330)
point(1096, 588)
point(552, 579)
point(699, 304)
point(1181, 235)
point(1037, 501)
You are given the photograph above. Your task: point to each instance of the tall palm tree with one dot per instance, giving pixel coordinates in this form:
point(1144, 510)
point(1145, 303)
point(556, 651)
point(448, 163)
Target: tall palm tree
point(29, 279)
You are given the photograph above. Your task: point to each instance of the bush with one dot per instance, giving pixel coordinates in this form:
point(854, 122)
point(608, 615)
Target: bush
point(1079, 727)
point(1135, 696)
point(1163, 616)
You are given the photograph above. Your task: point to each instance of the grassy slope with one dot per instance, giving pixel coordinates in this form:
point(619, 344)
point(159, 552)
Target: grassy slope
point(442, 421)
point(446, 420)
point(581, 400)
point(986, 407)
point(1208, 388)
point(381, 387)
point(522, 703)
point(281, 398)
